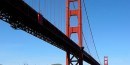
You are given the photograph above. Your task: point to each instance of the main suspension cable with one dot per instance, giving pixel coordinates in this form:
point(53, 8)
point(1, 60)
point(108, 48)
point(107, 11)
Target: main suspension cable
point(91, 30)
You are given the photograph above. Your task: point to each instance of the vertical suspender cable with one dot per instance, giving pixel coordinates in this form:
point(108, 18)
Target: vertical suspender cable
point(61, 17)
point(51, 9)
point(54, 12)
point(32, 3)
point(44, 11)
point(39, 6)
point(39, 12)
point(48, 6)
point(86, 43)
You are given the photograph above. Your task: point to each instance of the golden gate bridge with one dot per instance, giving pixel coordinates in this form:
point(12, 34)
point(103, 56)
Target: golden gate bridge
point(21, 15)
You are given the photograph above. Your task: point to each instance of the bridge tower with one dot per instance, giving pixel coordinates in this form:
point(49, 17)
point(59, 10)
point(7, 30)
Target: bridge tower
point(77, 29)
point(106, 60)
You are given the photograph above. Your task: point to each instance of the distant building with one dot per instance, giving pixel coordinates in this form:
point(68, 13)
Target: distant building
point(56, 64)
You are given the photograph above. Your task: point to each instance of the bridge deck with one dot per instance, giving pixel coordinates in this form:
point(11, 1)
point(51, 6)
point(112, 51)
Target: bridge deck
point(21, 16)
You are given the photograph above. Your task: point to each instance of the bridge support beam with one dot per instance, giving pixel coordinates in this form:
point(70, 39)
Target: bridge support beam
point(70, 59)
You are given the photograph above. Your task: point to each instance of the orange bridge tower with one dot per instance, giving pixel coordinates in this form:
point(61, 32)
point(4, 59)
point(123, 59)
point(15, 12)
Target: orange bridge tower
point(106, 60)
point(71, 29)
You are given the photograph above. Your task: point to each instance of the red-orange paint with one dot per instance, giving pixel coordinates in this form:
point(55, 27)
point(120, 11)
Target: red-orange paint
point(78, 29)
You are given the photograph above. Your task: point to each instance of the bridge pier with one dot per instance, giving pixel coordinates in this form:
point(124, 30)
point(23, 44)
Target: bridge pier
point(74, 60)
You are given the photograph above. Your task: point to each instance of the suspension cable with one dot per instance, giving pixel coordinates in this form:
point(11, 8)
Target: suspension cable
point(83, 35)
point(32, 3)
point(44, 7)
point(54, 14)
point(50, 10)
point(39, 6)
point(61, 18)
point(91, 30)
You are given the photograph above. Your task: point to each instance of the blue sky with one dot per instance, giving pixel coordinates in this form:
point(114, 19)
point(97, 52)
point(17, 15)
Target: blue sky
point(110, 22)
